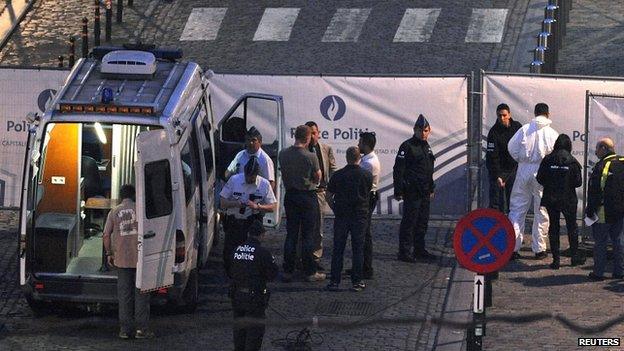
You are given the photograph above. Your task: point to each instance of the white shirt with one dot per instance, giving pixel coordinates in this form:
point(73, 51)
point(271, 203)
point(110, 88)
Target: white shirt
point(370, 162)
point(237, 189)
point(237, 165)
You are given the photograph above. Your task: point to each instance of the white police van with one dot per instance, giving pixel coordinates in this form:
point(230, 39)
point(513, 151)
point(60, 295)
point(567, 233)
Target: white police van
point(127, 116)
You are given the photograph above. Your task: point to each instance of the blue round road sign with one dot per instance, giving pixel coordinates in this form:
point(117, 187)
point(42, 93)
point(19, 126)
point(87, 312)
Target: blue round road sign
point(484, 240)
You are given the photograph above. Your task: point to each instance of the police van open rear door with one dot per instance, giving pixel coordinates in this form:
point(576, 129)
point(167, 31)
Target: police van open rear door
point(155, 211)
point(266, 113)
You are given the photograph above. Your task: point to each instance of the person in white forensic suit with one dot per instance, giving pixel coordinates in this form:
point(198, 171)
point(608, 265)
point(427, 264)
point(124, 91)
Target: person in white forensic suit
point(528, 147)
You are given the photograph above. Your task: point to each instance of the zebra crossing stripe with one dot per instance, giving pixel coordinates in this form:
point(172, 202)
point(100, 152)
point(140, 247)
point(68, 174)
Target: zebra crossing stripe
point(346, 25)
point(276, 24)
point(203, 23)
point(417, 25)
point(486, 26)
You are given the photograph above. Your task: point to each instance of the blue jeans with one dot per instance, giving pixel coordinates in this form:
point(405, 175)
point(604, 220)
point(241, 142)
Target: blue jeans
point(602, 232)
point(356, 225)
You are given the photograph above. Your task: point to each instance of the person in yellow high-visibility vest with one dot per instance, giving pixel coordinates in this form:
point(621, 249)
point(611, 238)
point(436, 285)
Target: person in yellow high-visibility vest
point(603, 204)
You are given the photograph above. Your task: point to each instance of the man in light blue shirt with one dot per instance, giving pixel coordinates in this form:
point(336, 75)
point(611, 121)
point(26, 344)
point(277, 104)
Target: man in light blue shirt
point(253, 142)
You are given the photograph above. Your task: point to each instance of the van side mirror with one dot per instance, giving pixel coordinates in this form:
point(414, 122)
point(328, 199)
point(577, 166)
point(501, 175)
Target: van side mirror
point(33, 118)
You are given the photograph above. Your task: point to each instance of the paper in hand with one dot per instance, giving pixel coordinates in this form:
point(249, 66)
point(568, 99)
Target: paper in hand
point(590, 220)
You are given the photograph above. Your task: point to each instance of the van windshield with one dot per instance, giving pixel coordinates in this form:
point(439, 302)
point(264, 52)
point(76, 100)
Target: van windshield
point(80, 172)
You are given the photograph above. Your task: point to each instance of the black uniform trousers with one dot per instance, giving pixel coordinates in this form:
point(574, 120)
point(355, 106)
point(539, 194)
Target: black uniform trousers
point(235, 235)
point(302, 212)
point(367, 268)
point(414, 225)
point(499, 197)
point(248, 335)
point(553, 230)
point(355, 225)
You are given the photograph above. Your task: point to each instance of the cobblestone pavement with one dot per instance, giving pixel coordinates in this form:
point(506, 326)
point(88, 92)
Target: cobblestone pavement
point(414, 292)
point(445, 47)
point(529, 286)
point(592, 46)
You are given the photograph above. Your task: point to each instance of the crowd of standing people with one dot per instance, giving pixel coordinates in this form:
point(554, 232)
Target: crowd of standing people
point(534, 164)
point(529, 165)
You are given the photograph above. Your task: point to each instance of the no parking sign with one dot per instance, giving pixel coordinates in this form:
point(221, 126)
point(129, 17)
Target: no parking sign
point(484, 240)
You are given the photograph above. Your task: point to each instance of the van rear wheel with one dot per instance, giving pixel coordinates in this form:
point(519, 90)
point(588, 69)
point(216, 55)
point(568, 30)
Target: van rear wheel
point(190, 296)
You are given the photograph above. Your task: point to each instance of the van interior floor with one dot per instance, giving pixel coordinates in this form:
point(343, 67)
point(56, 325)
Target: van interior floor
point(89, 259)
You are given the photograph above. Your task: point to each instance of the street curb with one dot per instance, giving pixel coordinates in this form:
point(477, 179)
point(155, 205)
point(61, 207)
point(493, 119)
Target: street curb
point(531, 26)
point(458, 308)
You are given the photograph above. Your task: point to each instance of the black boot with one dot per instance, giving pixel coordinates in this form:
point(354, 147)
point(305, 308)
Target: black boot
point(577, 260)
point(555, 264)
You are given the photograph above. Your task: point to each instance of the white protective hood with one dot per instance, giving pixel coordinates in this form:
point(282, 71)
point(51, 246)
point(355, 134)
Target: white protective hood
point(533, 141)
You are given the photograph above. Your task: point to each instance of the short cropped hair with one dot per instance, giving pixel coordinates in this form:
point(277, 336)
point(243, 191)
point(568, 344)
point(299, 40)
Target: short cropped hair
point(353, 154)
point(302, 133)
point(311, 124)
point(503, 106)
point(541, 109)
point(368, 139)
point(127, 192)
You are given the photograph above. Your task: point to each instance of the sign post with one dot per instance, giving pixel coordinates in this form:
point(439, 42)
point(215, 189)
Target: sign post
point(483, 240)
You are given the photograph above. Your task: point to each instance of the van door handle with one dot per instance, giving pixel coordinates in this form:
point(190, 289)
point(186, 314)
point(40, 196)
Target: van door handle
point(149, 234)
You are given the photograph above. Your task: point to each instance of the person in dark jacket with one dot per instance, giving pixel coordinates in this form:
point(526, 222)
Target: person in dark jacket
point(560, 174)
point(413, 183)
point(501, 166)
point(349, 196)
point(252, 267)
point(604, 205)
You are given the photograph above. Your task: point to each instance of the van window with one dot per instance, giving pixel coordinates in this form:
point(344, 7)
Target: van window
point(188, 170)
point(158, 197)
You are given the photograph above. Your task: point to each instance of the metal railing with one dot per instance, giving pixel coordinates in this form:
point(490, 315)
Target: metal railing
point(550, 39)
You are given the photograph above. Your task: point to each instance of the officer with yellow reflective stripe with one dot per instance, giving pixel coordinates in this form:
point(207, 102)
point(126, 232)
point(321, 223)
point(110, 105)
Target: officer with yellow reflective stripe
point(605, 201)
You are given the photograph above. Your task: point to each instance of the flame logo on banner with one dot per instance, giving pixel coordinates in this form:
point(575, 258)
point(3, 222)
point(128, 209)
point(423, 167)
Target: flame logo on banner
point(45, 98)
point(333, 108)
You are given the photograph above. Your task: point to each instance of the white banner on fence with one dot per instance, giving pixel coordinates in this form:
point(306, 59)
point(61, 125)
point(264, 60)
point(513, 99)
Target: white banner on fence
point(606, 119)
point(564, 95)
point(388, 106)
point(22, 91)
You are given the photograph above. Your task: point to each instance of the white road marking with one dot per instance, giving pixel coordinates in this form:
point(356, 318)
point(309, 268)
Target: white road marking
point(276, 24)
point(203, 23)
point(486, 26)
point(346, 25)
point(417, 25)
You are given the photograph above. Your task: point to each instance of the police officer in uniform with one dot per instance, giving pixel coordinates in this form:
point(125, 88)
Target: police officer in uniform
point(252, 267)
point(413, 183)
point(246, 197)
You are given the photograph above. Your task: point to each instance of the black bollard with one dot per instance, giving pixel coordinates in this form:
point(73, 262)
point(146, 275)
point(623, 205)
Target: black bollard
point(72, 51)
point(96, 24)
point(108, 4)
point(85, 37)
point(119, 10)
point(60, 59)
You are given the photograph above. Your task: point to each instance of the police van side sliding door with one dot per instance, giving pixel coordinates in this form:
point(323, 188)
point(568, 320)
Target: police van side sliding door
point(266, 113)
point(155, 209)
